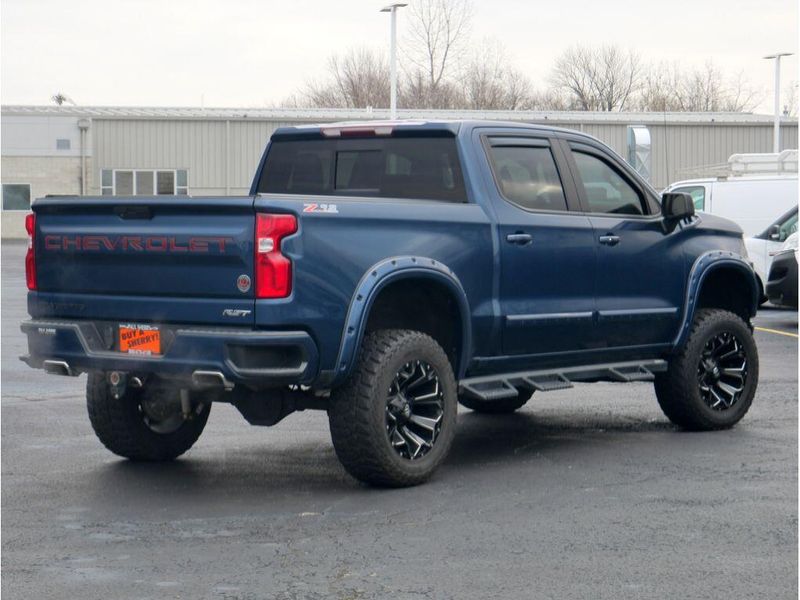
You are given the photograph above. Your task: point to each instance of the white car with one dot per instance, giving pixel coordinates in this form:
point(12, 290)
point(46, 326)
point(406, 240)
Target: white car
point(763, 246)
point(750, 201)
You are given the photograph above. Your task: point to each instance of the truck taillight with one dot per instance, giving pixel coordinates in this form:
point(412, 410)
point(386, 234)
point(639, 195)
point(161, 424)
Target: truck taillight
point(273, 271)
point(30, 256)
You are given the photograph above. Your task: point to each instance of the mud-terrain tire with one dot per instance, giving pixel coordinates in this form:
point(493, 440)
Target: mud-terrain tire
point(496, 407)
point(711, 381)
point(122, 426)
point(402, 378)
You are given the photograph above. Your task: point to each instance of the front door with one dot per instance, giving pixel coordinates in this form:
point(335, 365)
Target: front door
point(640, 274)
point(547, 250)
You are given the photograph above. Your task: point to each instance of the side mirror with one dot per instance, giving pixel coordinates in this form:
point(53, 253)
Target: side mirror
point(775, 233)
point(676, 206)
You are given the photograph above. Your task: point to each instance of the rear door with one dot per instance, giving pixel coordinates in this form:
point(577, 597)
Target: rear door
point(640, 274)
point(167, 259)
point(546, 250)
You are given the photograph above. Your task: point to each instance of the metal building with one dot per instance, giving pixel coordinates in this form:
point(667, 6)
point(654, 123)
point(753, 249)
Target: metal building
point(119, 150)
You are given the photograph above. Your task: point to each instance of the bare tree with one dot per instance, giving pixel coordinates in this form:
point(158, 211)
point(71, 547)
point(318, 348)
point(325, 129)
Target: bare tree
point(702, 90)
point(415, 92)
point(437, 34)
point(548, 99)
point(490, 82)
point(573, 74)
point(790, 100)
point(357, 79)
point(739, 96)
point(660, 88)
point(669, 88)
point(604, 78)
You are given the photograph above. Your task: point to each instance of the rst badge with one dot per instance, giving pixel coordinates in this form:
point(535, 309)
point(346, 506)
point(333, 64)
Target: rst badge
point(313, 207)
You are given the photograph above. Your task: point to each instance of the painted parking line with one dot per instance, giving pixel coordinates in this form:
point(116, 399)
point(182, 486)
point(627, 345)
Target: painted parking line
point(776, 331)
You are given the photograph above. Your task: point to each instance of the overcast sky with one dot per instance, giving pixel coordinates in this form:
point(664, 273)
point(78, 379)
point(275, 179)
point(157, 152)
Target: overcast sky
point(256, 52)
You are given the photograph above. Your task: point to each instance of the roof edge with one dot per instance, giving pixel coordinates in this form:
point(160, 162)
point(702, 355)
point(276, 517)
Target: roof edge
point(348, 114)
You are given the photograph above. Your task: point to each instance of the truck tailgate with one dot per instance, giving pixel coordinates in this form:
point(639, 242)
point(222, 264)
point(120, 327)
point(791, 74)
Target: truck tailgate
point(171, 259)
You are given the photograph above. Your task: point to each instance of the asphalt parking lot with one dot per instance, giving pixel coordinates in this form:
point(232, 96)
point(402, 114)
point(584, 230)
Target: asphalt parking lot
point(585, 493)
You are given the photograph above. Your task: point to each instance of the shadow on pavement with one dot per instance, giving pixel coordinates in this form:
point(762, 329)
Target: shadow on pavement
point(259, 473)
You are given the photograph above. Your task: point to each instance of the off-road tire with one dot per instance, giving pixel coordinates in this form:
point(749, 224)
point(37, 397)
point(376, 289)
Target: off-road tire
point(357, 410)
point(119, 425)
point(677, 389)
point(495, 407)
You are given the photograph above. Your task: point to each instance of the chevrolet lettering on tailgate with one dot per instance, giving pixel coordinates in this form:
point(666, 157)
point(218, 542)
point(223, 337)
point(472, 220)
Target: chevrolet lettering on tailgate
point(135, 243)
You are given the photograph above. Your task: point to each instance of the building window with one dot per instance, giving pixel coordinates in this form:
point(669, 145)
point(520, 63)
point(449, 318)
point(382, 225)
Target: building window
point(138, 182)
point(63, 144)
point(16, 196)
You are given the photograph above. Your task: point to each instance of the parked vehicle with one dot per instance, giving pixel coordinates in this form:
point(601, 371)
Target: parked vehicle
point(384, 272)
point(751, 201)
point(762, 247)
point(782, 284)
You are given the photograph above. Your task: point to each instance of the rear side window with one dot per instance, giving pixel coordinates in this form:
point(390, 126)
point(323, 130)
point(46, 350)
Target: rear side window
point(413, 168)
point(527, 176)
point(606, 191)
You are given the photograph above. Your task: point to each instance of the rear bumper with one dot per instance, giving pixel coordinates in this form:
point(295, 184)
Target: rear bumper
point(257, 359)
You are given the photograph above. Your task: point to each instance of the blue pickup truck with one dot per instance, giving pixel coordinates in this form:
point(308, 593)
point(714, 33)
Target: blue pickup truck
point(384, 272)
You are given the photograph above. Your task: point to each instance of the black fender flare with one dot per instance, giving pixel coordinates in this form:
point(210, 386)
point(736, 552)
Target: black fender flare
point(378, 277)
point(703, 266)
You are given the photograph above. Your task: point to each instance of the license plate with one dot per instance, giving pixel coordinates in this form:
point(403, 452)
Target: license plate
point(139, 339)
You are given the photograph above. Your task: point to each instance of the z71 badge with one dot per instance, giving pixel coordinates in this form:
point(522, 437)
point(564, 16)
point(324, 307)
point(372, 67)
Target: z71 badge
point(313, 207)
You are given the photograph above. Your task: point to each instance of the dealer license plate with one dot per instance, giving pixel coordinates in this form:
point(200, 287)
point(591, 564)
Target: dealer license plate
point(139, 339)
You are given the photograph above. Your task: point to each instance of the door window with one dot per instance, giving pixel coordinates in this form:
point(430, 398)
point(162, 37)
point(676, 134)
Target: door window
point(606, 191)
point(528, 177)
point(788, 227)
point(697, 192)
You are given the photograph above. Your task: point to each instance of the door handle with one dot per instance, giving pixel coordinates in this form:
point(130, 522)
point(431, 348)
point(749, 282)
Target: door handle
point(609, 239)
point(519, 238)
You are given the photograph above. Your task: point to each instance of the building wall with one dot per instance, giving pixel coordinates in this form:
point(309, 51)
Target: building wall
point(220, 151)
point(221, 155)
point(36, 135)
point(46, 175)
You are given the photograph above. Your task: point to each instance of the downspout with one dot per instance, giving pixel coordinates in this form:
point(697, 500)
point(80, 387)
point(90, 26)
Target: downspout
point(83, 125)
point(227, 157)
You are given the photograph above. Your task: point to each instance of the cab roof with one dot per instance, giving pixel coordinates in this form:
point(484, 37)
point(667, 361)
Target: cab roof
point(406, 128)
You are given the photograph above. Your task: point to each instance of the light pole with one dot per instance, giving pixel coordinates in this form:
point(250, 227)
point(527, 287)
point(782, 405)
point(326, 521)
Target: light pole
point(392, 8)
point(776, 136)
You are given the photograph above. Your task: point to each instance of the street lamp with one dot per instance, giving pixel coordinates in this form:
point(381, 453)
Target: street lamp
point(392, 8)
point(776, 136)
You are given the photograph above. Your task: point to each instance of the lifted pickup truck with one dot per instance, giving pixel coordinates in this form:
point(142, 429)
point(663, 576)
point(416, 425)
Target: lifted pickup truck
point(384, 272)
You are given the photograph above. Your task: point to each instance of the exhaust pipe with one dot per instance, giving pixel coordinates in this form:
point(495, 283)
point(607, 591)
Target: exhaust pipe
point(58, 367)
point(211, 379)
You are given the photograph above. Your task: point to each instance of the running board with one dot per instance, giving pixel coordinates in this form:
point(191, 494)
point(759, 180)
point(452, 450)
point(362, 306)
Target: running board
point(497, 387)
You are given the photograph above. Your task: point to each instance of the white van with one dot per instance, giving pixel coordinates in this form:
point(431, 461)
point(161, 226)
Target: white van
point(751, 201)
point(762, 247)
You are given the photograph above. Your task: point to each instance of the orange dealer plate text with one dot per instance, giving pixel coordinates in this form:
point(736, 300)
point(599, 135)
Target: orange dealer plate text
point(139, 339)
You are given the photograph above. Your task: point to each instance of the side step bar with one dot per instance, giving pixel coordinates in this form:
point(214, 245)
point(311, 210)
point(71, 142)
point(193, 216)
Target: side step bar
point(496, 387)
